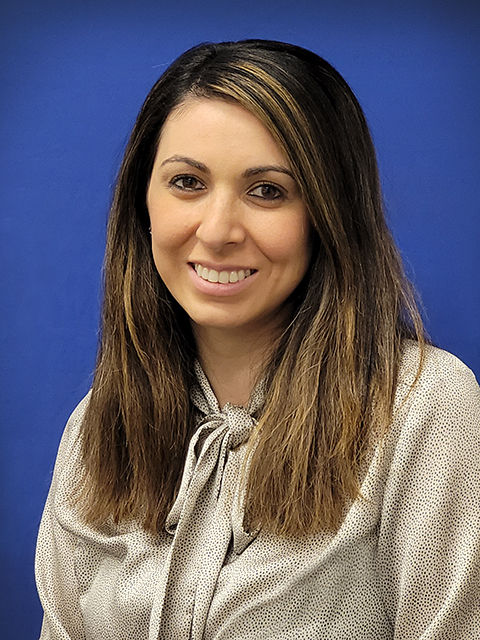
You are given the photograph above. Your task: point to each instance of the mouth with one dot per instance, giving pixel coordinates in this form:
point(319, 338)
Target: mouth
point(227, 276)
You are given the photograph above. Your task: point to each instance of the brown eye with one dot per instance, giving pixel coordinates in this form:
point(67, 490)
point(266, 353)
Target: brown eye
point(267, 192)
point(187, 183)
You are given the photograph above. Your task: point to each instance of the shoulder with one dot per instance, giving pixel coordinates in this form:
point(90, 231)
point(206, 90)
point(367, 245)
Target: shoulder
point(441, 373)
point(428, 488)
point(69, 447)
point(438, 408)
point(74, 423)
point(430, 453)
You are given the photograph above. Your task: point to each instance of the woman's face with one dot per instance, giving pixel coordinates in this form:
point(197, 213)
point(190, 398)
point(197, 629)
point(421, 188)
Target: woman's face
point(230, 233)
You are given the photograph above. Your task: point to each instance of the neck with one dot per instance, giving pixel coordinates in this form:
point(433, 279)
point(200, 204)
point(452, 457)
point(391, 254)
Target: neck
point(233, 361)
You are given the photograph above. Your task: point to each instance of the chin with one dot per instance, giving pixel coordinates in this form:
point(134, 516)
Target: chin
point(217, 323)
point(233, 322)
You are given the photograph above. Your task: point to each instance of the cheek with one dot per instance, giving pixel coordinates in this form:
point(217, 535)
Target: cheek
point(169, 231)
point(167, 224)
point(288, 244)
point(170, 247)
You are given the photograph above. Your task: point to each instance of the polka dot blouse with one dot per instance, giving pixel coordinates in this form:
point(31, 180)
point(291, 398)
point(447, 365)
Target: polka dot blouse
point(404, 565)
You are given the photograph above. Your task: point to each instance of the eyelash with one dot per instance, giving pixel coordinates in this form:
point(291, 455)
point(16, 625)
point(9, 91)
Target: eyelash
point(280, 194)
point(184, 177)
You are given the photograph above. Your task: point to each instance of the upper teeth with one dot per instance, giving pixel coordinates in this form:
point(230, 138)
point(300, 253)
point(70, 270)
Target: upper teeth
point(221, 276)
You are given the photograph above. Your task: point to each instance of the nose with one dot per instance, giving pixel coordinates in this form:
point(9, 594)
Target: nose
point(220, 224)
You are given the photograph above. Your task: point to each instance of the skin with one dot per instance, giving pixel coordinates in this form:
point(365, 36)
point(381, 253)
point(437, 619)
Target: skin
point(221, 194)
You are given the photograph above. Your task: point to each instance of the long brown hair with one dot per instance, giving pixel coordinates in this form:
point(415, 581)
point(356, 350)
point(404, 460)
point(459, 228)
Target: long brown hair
point(331, 377)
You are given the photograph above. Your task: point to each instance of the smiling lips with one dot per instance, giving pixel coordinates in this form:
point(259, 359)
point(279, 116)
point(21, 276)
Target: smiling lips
point(222, 277)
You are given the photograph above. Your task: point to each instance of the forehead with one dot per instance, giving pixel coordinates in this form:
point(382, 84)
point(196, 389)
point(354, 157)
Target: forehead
point(207, 125)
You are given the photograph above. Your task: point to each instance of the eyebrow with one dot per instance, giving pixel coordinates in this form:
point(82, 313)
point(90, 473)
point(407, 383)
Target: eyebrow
point(193, 163)
point(253, 171)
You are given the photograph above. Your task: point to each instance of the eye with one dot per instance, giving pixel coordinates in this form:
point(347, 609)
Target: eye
point(186, 183)
point(267, 191)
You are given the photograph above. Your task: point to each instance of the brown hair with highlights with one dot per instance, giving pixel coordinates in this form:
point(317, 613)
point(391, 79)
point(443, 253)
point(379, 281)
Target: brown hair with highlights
point(331, 377)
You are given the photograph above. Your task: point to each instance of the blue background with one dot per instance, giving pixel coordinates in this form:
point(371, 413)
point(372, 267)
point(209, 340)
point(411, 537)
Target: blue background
point(73, 76)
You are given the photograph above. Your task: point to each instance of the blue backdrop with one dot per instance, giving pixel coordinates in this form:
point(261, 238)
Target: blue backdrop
point(73, 76)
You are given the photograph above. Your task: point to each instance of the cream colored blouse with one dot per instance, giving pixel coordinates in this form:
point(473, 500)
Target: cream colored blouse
point(404, 565)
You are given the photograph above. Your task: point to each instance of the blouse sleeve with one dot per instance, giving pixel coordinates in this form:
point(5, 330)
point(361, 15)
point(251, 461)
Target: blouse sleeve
point(429, 538)
point(56, 544)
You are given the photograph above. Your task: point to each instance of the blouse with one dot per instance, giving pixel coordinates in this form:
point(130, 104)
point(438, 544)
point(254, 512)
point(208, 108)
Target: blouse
point(404, 564)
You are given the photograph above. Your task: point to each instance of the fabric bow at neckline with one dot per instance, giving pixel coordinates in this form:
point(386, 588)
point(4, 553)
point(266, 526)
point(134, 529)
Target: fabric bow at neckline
point(219, 430)
point(206, 519)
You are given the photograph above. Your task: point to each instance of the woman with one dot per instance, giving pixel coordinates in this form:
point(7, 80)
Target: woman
point(270, 448)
